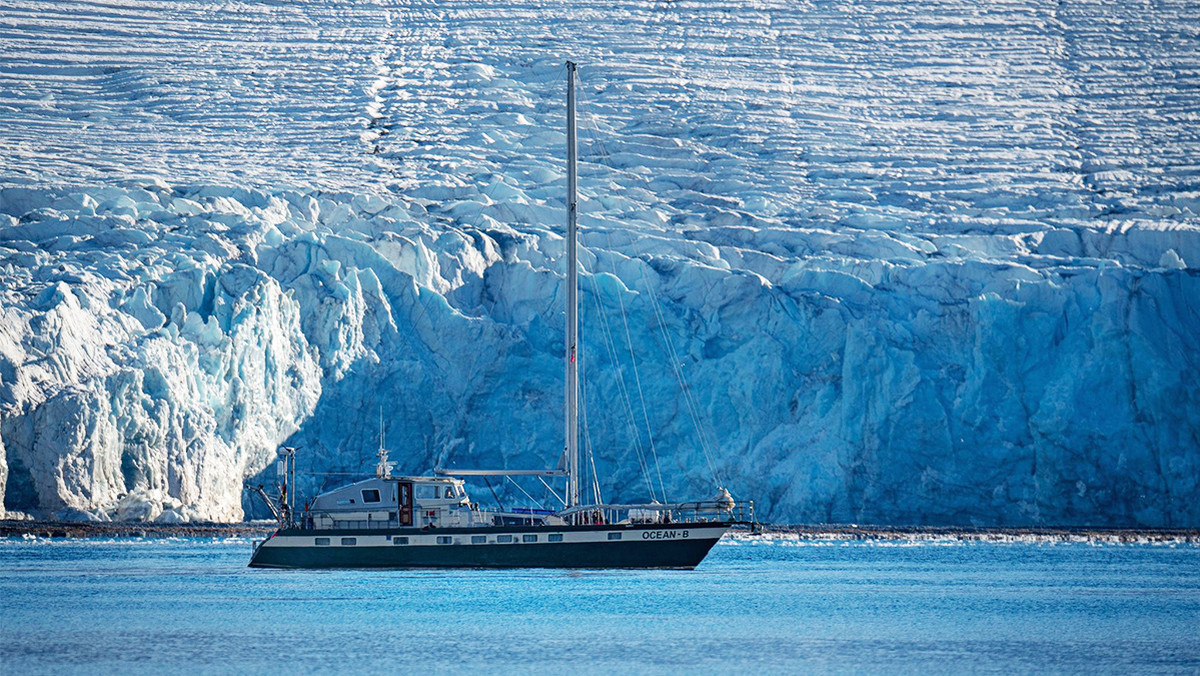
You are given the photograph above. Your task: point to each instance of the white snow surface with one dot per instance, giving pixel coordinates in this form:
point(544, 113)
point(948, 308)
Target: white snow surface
point(918, 262)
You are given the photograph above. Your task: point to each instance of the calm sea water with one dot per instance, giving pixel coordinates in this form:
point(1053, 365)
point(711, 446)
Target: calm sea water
point(754, 606)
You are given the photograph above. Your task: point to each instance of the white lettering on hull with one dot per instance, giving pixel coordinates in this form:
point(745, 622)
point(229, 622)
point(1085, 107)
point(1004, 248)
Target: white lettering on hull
point(664, 535)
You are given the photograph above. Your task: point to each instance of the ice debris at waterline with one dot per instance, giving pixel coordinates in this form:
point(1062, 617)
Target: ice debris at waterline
point(918, 263)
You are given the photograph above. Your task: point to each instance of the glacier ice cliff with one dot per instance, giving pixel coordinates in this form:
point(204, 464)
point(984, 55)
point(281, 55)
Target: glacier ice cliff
point(916, 264)
point(145, 391)
point(141, 382)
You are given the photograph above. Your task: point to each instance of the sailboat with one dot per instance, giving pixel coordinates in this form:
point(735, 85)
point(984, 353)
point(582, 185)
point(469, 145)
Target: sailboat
point(430, 521)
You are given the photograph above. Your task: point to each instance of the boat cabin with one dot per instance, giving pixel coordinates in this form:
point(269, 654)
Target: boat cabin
point(400, 502)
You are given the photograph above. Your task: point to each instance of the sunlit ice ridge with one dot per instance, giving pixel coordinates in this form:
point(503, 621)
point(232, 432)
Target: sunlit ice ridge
point(918, 263)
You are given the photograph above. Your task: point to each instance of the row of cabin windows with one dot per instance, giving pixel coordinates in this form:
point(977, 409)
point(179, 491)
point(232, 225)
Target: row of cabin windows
point(482, 539)
point(426, 492)
point(433, 492)
point(475, 539)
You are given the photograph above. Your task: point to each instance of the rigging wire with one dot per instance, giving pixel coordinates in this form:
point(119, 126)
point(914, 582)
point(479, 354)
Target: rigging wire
point(610, 345)
point(587, 445)
point(602, 155)
point(600, 151)
point(689, 401)
point(599, 500)
point(493, 490)
point(532, 500)
point(552, 491)
point(623, 390)
point(637, 378)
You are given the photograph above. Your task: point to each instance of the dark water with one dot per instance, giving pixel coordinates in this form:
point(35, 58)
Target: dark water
point(755, 606)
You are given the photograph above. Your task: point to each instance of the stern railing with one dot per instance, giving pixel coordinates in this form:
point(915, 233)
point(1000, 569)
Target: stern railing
point(702, 511)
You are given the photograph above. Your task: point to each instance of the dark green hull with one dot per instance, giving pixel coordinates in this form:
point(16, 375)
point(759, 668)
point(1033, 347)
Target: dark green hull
point(632, 552)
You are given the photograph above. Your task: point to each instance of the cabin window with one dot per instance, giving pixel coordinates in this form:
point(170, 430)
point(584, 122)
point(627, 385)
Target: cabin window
point(529, 538)
point(349, 542)
point(426, 491)
point(503, 538)
point(614, 536)
point(555, 537)
point(321, 542)
point(370, 495)
point(478, 539)
point(402, 540)
point(445, 539)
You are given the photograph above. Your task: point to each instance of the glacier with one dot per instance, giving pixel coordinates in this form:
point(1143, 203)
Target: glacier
point(930, 264)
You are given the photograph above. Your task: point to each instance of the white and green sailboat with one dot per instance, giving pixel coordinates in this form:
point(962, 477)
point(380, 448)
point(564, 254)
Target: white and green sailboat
point(430, 521)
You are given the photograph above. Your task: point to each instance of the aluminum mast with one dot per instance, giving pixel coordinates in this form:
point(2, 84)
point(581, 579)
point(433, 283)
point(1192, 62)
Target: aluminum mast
point(572, 353)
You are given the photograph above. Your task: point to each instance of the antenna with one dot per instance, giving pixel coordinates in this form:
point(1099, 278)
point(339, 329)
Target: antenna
point(384, 469)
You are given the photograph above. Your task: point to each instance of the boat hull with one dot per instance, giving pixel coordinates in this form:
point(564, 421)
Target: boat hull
point(633, 546)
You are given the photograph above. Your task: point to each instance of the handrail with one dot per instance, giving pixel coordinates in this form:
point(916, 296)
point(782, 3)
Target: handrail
point(708, 511)
point(703, 511)
point(715, 505)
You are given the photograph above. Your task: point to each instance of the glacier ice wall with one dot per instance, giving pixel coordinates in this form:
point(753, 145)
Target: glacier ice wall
point(917, 264)
point(149, 384)
point(143, 385)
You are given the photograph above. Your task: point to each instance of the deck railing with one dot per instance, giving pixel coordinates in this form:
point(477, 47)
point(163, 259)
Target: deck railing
point(321, 521)
point(689, 512)
point(680, 512)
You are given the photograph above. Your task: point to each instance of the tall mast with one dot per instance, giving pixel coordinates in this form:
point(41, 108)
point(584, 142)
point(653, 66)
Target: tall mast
point(572, 353)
